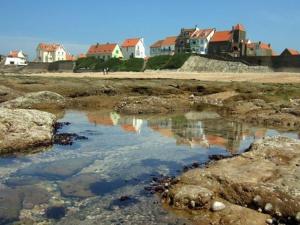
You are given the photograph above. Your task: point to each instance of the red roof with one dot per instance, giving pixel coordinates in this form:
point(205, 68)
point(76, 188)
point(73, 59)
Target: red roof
point(239, 27)
point(157, 44)
point(80, 56)
point(70, 57)
point(13, 54)
point(132, 42)
point(169, 41)
point(222, 36)
point(265, 46)
point(49, 47)
point(202, 33)
point(293, 51)
point(102, 49)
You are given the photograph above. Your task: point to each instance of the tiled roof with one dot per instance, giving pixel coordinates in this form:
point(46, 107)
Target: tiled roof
point(169, 41)
point(130, 42)
point(13, 54)
point(265, 46)
point(70, 57)
point(80, 56)
point(293, 51)
point(202, 33)
point(49, 47)
point(157, 44)
point(222, 36)
point(239, 27)
point(102, 49)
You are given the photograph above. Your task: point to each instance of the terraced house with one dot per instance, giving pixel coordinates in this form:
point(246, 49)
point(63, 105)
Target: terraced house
point(163, 47)
point(48, 53)
point(183, 40)
point(133, 48)
point(259, 49)
point(231, 42)
point(105, 51)
point(200, 39)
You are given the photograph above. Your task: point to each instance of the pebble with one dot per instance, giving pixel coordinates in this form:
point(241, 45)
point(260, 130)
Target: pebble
point(298, 217)
point(218, 206)
point(193, 204)
point(259, 210)
point(269, 221)
point(268, 207)
point(257, 199)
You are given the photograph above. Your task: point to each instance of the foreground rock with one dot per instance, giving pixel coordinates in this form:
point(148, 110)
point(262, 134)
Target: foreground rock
point(152, 104)
point(43, 99)
point(266, 178)
point(22, 129)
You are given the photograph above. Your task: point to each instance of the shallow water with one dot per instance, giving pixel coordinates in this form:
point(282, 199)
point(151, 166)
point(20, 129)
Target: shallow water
point(83, 183)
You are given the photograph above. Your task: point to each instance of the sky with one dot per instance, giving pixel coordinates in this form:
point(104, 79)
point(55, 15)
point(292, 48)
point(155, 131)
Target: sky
point(77, 24)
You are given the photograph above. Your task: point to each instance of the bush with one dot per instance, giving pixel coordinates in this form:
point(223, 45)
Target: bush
point(112, 64)
point(134, 65)
point(87, 63)
point(176, 61)
point(157, 62)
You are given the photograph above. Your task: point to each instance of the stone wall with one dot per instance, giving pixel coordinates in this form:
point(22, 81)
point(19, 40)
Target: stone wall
point(203, 64)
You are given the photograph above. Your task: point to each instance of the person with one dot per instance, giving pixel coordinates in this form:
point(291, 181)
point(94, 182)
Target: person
point(107, 69)
point(104, 71)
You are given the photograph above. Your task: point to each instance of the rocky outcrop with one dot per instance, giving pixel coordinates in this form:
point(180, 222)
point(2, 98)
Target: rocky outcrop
point(7, 93)
point(151, 105)
point(201, 64)
point(213, 99)
point(22, 129)
point(262, 182)
point(36, 100)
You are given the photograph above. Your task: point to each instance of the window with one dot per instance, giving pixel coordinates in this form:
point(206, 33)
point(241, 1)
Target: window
point(202, 42)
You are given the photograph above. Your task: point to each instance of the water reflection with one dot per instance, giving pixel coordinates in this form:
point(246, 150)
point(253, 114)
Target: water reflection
point(194, 129)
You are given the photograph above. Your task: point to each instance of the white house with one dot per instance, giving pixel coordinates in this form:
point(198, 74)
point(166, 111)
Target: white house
point(48, 53)
point(133, 48)
point(200, 39)
point(163, 47)
point(16, 58)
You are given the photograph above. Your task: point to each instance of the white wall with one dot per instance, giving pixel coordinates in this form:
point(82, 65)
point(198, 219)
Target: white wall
point(137, 51)
point(15, 61)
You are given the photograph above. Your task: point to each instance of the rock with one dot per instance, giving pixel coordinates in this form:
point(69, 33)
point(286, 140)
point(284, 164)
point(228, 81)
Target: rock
point(202, 64)
point(237, 181)
point(56, 212)
point(214, 99)
point(22, 129)
point(11, 204)
point(151, 105)
point(268, 207)
point(67, 138)
point(185, 194)
point(7, 93)
point(297, 217)
point(218, 206)
point(36, 100)
point(269, 221)
point(58, 169)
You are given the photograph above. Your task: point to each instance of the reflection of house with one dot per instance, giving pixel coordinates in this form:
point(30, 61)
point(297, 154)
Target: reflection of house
point(200, 39)
point(231, 42)
point(289, 52)
point(105, 119)
point(48, 53)
point(131, 124)
point(133, 48)
point(105, 51)
point(16, 58)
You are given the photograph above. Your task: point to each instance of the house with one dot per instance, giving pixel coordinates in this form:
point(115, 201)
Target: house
point(133, 48)
point(259, 49)
point(48, 53)
point(231, 42)
point(16, 58)
point(168, 46)
point(105, 51)
point(155, 49)
point(200, 39)
point(70, 57)
point(290, 52)
point(183, 40)
point(163, 47)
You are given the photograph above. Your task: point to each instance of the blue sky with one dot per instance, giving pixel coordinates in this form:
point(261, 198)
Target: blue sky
point(77, 23)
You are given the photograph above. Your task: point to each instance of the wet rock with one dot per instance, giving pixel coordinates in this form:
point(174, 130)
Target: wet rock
point(59, 125)
point(59, 169)
point(33, 195)
point(237, 182)
point(218, 206)
point(11, 204)
point(187, 193)
point(36, 99)
point(214, 99)
point(21, 129)
point(67, 138)
point(56, 212)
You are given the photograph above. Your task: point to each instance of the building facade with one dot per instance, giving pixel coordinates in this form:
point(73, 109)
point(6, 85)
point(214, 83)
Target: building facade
point(133, 48)
point(105, 51)
point(48, 53)
point(200, 39)
point(155, 49)
point(163, 47)
point(183, 40)
point(16, 58)
point(290, 52)
point(231, 42)
point(259, 49)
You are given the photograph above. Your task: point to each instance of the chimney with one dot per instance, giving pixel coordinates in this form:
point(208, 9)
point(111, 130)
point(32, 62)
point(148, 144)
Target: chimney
point(232, 27)
point(269, 45)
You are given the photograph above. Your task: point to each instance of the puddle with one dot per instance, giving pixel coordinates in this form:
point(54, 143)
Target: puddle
point(101, 180)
